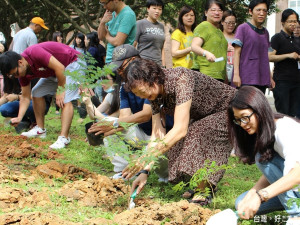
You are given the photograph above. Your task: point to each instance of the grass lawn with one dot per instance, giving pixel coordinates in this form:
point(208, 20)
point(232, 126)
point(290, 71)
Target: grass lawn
point(236, 180)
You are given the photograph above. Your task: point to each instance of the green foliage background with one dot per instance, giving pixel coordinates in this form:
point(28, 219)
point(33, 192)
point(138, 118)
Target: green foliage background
point(83, 15)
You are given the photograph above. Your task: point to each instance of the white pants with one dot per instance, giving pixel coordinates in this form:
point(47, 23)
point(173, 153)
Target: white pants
point(134, 137)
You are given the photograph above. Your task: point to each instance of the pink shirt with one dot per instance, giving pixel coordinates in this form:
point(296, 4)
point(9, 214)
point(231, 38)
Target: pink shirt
point(38, 57)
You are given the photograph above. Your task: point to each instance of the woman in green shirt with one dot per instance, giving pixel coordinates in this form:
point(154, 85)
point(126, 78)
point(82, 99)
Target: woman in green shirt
point(209, 43)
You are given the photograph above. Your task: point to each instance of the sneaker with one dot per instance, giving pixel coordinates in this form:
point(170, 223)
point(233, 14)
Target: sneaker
point(163, 180)
point(35, 132)
point(117, 176)
point(61, 142)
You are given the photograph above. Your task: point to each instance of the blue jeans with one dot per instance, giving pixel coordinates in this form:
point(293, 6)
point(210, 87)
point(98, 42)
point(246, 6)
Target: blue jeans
point(273, 170)
point(11, 109)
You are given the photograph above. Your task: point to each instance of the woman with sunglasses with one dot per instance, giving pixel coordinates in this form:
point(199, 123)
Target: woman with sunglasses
point(198, 104)
point(272, 142)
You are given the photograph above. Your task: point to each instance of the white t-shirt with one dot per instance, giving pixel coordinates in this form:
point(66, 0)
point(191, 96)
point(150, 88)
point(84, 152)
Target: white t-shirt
point(109, 98)
point(287, 142)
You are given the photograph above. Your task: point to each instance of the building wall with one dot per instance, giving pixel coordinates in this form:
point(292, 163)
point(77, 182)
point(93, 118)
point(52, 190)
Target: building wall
point(282, 5)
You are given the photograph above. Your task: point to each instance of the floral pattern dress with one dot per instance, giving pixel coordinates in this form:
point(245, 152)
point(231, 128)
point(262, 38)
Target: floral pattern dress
point(207, 136)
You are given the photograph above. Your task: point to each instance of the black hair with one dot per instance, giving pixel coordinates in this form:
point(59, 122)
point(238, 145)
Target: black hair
point(209, 3)
point(155, 3)
point(228, 13)
point(245, 145)
point(94, 40)
point(55, 35)
point(225, 15)
point(254, 3)
point(286, 13)
point(8, 61)
point(115, 103)
point(184, 10)
point(81, 37)
point(143, 70)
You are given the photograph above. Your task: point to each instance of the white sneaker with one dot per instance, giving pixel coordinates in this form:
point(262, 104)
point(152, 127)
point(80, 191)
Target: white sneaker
point(35, 132)
point(163, 180)
point(61, 142)
point(117, 176)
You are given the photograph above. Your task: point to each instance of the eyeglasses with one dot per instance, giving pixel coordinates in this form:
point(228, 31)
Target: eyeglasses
point(244, 120)
point(261, 10)
point(16, 74)
point(291, 21)
point(104, 3)
point(216, 10)
point(230, 23)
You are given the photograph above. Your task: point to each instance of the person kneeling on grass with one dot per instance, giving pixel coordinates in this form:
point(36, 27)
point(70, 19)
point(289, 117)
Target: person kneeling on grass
point(48, 61)
point(198, 103)
point(111, 103)
point(272, 142)
point(132, 110)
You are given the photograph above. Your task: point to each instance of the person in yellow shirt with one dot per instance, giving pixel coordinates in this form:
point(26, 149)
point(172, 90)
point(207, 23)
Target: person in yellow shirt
point(182, 38)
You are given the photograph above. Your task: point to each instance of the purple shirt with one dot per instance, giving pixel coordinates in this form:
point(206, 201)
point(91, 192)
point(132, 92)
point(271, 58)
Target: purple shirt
point(254, 60)
point(38, 57)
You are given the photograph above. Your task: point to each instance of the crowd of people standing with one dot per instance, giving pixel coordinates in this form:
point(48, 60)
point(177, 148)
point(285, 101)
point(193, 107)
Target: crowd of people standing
point(210, 102)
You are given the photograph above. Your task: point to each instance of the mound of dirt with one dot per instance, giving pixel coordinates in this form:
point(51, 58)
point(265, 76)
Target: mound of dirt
point(24, 150)
point(9, 176)
point(35, 218)
point(20, 147)
point(13, 198)
point(94, 191)
point(179, 213)
point(55, 169)
point(54, 155)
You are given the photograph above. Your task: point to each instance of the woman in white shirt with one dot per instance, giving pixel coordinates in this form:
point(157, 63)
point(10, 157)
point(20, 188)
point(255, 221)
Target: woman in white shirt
point(272, 141)
point(111, 103)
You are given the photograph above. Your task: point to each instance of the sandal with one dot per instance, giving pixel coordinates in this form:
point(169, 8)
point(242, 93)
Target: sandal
point(203, 202)
point(188, 194)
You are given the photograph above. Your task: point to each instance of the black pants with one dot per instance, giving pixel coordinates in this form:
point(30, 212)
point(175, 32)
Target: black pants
point(287, 97)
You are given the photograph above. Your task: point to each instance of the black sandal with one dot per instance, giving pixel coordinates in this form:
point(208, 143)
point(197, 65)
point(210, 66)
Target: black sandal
point(207, 201)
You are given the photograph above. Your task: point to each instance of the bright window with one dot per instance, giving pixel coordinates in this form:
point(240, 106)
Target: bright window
point(295, 5)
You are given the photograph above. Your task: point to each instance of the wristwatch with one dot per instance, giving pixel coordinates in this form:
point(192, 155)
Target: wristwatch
point(263, 195)
point(144, 172)
point(204, 53)
point(116, 124)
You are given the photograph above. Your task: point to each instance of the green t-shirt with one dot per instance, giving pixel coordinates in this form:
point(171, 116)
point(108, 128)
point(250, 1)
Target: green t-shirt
point(124, 22)
point(214, 42)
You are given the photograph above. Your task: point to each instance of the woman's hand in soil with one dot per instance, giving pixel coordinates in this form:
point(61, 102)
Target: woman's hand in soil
point(139, 182)
point(248, 207)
